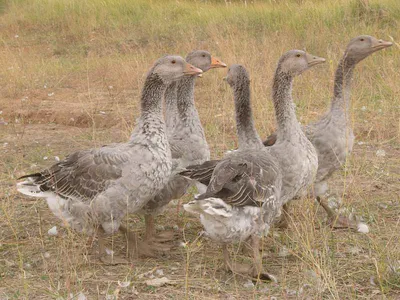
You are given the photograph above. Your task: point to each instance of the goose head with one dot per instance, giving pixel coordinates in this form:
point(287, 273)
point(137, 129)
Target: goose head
point(203, 60)
point(171, 68)
point(295, 62)
point(364, 45)
point(237, 76)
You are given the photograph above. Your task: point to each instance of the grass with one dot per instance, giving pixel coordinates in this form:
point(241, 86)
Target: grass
point(70, 78)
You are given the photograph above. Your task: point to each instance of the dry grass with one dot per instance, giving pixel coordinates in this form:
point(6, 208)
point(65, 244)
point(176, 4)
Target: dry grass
point(70, 75)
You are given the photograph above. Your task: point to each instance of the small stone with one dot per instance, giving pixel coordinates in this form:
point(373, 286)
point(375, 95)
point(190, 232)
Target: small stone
point(382, 205)
point(175, 227)
point(372, 280)
point(52, 231)
point(362, 228)
point(81, 296)
point(123, 284)
point(381, 153)
point(248, 284)
point(45, 157)
point(159, 272)
point(157, 282)
point(291, 292)
point(50, 94)
point(102, 112)
point(27, 266)
point(46, 255)
point(56, 158)
point(364, 108)
point(109, 251)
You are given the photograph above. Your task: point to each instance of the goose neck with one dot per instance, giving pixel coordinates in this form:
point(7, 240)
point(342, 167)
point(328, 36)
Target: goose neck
point(171, 109)
point(342, 87)
point(246, 131)
point(284, 107)
point(151, 119)
point(186, 108)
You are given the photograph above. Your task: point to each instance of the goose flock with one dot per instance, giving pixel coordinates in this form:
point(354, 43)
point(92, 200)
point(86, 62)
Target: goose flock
point(242, 194)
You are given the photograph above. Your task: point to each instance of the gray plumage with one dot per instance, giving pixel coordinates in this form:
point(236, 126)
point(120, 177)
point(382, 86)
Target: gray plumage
point(185, 133)
point(171, 108)
point(332, 135)
point(243, 193)
point(295, 155)
point(98, 187)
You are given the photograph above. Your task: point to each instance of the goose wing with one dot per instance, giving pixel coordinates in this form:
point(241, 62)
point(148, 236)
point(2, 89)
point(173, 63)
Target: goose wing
point(83, 174)
point(243, 182)
point(201, 173)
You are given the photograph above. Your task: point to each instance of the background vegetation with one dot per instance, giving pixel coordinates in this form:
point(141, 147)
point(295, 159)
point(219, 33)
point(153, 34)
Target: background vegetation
point(70, 77)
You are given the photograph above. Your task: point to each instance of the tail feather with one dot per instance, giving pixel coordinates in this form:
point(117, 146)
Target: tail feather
point(30, 188)
point(30, 175)
point(211, 206)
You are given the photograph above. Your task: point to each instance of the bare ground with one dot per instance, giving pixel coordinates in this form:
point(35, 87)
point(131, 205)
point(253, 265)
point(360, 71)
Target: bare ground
point(310, 260)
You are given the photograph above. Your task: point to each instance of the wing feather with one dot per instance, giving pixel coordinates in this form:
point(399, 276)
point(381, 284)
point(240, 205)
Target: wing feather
point(82, 174)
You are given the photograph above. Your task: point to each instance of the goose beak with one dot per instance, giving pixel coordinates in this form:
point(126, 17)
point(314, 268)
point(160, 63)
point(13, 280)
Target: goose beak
point(216, 63)
point(192, 70)
point(380, 44)
point(313, 60)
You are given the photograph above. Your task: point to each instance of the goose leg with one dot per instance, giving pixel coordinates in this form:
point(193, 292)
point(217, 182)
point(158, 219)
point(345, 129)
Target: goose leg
point(338, 221)
point(135, 248)
point(103, 256)
point(234, 267)
point(257, 270)
point(102, 242)
point(283, 222)
point(152, 239)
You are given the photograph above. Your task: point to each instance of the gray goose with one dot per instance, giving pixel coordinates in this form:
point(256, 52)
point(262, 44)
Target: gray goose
point(294, 154)
point(187, 141)
point(92, 190)
point(243, 195)
point(332, 135)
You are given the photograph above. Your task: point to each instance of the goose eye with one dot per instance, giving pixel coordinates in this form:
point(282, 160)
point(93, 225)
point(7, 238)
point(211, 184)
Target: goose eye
point(174, 61)
point(204, 55)
point(298, 55)
point(362, 40)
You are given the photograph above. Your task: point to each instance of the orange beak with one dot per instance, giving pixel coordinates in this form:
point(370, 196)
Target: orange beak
point(216, 63)
point(192, 70)
point(381, 44)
